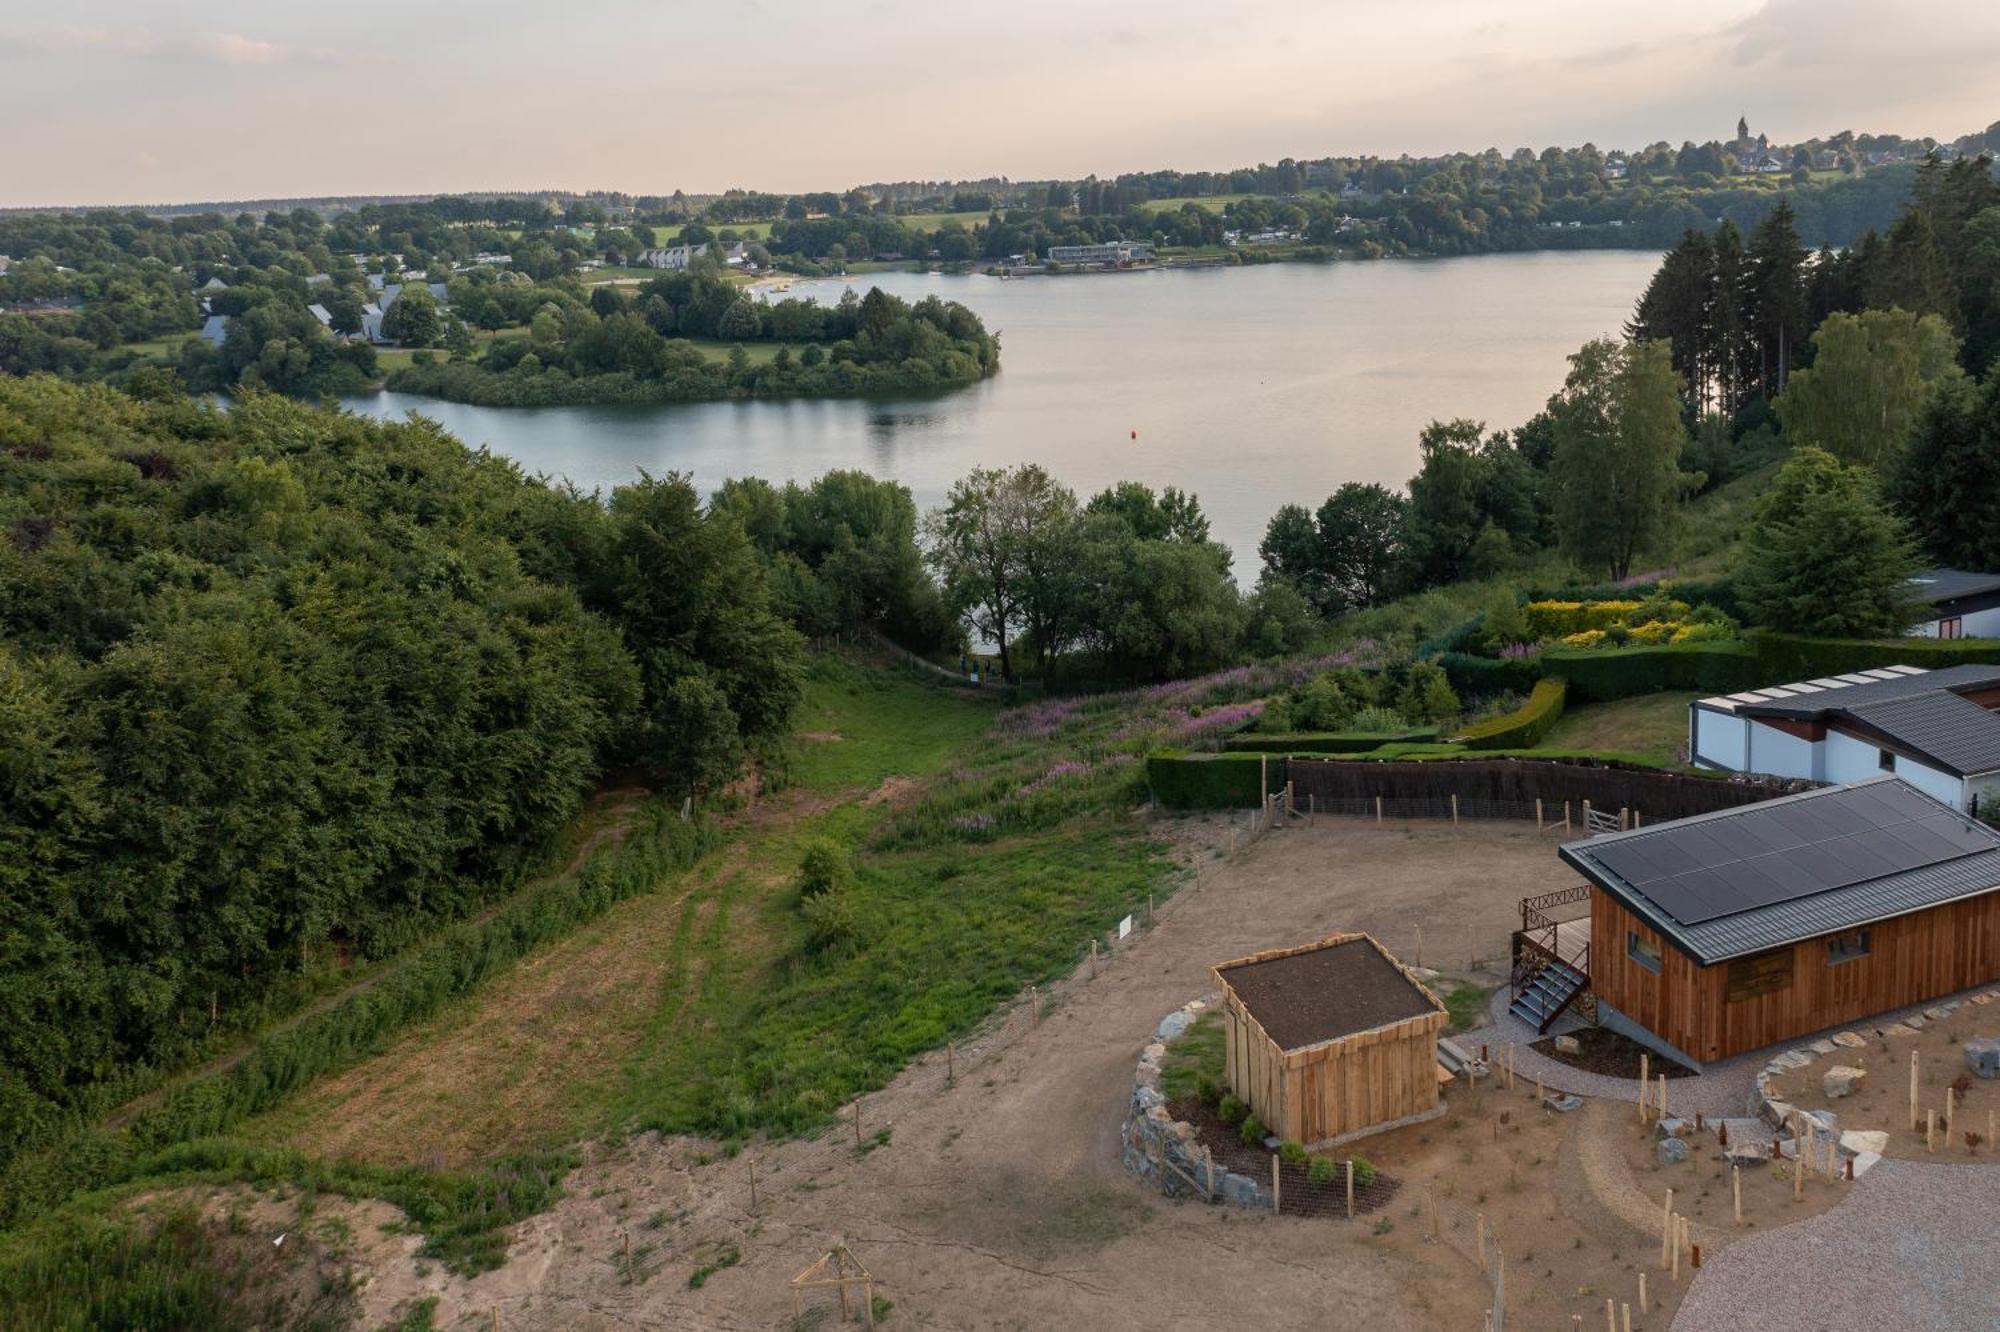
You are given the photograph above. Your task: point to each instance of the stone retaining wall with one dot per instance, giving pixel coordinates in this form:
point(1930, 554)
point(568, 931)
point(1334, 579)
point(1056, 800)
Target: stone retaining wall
point(1161, 1149)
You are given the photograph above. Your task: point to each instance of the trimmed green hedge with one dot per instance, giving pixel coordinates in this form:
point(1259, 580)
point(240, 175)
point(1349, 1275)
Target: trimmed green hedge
point(1601, 675)
point(1210, 781)
point(1482, 677)
point(1328, 742)
point(1787, 657)
point(1525, 726)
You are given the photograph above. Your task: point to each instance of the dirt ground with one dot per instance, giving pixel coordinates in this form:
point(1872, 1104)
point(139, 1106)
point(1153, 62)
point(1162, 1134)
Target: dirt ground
point(999, 1202)
point(1882, 1100)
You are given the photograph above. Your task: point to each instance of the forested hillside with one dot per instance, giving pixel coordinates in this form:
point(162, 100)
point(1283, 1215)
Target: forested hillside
point(280, 687)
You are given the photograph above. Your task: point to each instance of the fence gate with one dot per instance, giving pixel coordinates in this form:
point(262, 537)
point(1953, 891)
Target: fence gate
point(1601, 822)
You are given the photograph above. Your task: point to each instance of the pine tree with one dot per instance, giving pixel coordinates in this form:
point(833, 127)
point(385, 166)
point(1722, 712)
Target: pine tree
point(1724, 338)
point(1777, 292)
point(1675, 310)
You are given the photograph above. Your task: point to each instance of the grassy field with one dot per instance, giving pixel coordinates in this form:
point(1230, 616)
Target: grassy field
point(1652, 725)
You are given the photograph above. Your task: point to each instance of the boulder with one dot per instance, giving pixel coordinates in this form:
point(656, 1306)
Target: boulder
point(1857, 1142)
point(1791, 1059)
point(1568, 1045)
point(1562, 1102)
point(1745, 1151)
point(1671, 1128)
point(1865, 1162)
point(1841, 1080)
point(1824, 1047)
point(1173, 1024)
point(1777, 1112)
point(1849, 1040)
point(1900, 1029)
point(1915, 1023)
point(1983, 1056)
point(1672, 1151)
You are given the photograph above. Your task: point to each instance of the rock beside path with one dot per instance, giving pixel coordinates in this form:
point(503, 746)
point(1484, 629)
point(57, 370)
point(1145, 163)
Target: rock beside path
point(1983, 1056)
point(1841, 1080)
point(1672, 1151)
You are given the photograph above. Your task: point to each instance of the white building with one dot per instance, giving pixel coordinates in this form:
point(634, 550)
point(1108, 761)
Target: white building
point(1936, 730)
point(1963, 604)
point(1110, 254)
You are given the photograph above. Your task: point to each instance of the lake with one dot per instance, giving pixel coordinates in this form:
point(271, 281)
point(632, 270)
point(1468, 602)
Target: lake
point(1252, 387)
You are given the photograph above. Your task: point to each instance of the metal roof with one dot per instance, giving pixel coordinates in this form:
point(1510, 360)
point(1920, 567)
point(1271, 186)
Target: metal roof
point(1935, 585)
point(1761, 876)
point(1955, 733)
point(1846, 693)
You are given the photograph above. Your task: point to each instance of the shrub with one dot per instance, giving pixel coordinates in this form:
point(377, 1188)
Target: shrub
point(824, 868)
point(1292, 1152)
point(1364, 1172)
point(1232, 1111)
point(831, 920)
point(1320, 1173)
point(1525, 726)
point(1251, 1131)
point(1554, 619)
point(1385, 720)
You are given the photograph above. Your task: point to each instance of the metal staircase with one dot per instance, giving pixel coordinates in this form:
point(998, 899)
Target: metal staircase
point(1552, 988)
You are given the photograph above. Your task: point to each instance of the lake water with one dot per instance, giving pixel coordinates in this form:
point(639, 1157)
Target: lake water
point(1251, 387)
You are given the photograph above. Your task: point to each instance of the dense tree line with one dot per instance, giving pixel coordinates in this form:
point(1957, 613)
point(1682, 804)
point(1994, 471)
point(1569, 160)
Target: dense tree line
point(278, 684)
point(621, 349)
point(1127, 585)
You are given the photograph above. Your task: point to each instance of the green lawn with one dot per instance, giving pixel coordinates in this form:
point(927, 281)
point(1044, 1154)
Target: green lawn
point(1653, 725)
point(1196, 1054)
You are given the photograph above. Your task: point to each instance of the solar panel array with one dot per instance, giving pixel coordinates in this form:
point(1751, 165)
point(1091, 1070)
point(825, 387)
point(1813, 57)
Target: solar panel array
point(1782, 850)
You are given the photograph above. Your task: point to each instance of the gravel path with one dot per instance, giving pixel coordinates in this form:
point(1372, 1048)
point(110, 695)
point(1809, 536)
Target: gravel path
point(1910, 1248)
point(1722, 1091)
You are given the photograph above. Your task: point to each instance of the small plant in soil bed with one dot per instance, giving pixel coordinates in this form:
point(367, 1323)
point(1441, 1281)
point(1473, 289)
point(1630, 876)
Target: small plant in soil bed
point(1309, 1186)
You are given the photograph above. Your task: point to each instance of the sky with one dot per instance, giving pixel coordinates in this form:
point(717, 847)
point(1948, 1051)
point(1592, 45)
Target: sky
point(165, 101)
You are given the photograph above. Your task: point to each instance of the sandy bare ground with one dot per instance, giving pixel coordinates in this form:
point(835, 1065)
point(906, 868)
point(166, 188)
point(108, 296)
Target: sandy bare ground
point(998, 1201)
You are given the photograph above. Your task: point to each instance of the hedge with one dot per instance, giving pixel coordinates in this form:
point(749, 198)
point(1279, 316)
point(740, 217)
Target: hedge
point(1524, 727)
point(1327, 742)
point(1601, 675)
point(1482, 677)
point(1788, 657)
point(1210, 781)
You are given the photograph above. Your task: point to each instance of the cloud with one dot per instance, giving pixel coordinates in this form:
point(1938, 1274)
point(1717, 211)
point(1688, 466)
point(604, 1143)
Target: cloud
point(206, 48)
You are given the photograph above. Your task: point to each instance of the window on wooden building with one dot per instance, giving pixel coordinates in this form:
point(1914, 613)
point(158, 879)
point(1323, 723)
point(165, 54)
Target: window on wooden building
point(1645, 954)
point(1846, 947)
point(1885, 760)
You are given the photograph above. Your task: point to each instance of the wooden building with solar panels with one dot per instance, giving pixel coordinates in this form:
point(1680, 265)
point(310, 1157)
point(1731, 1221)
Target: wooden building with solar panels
point(1731, 931)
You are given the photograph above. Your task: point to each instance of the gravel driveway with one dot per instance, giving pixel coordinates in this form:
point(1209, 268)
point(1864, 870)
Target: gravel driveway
point(1912, 1248)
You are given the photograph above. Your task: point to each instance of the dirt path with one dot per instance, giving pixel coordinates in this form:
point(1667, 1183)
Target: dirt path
point(607, 818)
point(998, 1201)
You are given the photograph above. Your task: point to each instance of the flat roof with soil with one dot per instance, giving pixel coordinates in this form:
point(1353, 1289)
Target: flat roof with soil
point(1320, 994)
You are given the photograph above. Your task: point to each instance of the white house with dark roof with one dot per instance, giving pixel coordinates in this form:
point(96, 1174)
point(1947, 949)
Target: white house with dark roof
point(1935, 729)
point(1963, 604)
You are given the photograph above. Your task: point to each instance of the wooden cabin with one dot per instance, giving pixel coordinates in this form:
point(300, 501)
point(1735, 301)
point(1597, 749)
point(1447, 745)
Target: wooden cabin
point(1330, 1040)
point(1728, 932)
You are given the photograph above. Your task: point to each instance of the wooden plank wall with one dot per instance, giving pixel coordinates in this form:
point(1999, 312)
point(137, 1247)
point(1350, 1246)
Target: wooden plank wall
point(1914, 958)
point(1608, 786)
point(1338, 1087)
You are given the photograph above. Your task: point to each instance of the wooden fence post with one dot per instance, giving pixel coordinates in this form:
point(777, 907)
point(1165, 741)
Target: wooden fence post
point(1378, 811)
point(950, 1066)
point(1642, 1293)
point(1565, 816)
point(1274, 1184)
point(1664, 1112)
point(857, 1123)
point(1736, 1186)
point(753, 1195)
point(1479, 1235)
point(1350, 1188)
point(1454, 809)
point(1916, 1120)
point(1666, 1227)
point(1624, 818)
point(1420, 945)
point(1538, 813)
point(1645, 1072)
point(1586, 816)
point(1930, 1130)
